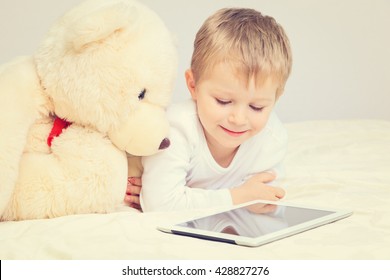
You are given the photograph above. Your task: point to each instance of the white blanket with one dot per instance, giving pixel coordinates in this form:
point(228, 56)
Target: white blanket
point(337, 164)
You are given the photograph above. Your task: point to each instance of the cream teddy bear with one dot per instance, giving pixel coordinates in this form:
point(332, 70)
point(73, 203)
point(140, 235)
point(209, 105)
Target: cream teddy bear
point(96, 88)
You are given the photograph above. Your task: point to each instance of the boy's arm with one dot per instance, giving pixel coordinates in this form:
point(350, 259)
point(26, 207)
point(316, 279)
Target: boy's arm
point(263, 185)
point(164, 181)
point(256, 188)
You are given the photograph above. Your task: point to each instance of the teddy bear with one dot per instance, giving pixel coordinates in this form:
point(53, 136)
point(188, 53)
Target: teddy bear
point(76, 116)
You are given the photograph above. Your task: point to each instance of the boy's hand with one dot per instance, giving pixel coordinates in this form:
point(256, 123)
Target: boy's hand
point(134, 185)
point(256, 188)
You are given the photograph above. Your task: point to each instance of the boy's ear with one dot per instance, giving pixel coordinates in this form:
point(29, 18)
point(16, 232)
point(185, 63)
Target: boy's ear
point(190, 81)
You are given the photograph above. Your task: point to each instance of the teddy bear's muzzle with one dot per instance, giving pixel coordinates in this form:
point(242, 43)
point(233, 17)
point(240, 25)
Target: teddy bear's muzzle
point(164, 144)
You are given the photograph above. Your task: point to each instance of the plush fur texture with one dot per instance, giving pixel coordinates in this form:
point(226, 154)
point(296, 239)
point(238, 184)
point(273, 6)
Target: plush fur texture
point(107, 66)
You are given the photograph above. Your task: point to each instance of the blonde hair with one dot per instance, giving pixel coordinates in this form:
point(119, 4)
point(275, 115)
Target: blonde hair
point(254, 44)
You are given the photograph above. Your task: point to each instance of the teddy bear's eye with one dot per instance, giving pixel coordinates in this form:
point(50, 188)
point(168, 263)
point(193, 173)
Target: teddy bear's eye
point(141, 95)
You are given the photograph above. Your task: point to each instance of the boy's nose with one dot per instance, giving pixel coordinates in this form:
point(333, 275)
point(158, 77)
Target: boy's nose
point(238, 116)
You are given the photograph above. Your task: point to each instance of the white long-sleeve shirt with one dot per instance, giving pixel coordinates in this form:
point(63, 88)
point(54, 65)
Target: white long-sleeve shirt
point(186, 176)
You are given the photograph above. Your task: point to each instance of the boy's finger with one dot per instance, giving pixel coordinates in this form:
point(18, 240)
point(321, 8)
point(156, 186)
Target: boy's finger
point(132, 199)
point(134, 190)
point(279, 192)
point(136, 206)
point(265, 177)
point(134, 181)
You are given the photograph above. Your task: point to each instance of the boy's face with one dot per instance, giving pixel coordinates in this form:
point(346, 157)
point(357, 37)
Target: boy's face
point(230, 110)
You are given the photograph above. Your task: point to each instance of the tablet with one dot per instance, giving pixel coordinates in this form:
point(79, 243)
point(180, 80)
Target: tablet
point(256, 223)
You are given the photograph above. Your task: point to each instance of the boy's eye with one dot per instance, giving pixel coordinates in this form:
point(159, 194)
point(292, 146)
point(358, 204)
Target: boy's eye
point(255, 108)
point(222, 102)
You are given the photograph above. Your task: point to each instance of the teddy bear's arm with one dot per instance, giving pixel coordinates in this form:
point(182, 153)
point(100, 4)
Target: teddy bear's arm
point(18, 110)
point(83, 173)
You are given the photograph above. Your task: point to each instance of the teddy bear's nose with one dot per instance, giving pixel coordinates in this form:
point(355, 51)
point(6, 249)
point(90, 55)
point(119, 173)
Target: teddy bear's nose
point(164, 144)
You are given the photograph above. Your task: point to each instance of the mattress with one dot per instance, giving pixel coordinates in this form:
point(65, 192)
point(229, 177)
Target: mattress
point(342, 164)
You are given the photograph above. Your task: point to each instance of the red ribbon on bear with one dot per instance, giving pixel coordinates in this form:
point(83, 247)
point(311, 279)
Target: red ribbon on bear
point(58, 125)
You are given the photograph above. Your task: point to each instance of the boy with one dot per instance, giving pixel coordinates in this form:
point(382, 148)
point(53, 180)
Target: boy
point(226, 142)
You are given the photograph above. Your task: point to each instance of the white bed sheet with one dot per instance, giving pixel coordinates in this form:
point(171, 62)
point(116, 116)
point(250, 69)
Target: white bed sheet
point(338, 164)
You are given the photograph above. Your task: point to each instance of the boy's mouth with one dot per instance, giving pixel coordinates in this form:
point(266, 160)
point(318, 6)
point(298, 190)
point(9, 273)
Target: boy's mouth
point(233, 133)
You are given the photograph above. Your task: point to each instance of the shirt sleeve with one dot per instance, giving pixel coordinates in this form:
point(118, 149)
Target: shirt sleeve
point(164, 179)
point(276, 149)
point(273, 149)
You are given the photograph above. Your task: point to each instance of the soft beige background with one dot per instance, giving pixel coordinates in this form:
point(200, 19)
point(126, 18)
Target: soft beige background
point(341, 48)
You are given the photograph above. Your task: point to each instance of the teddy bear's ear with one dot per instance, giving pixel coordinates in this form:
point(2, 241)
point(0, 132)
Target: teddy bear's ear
point(100, 24)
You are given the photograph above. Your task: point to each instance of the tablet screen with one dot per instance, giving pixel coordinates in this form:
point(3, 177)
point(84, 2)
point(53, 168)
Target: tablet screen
point(256, 220)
